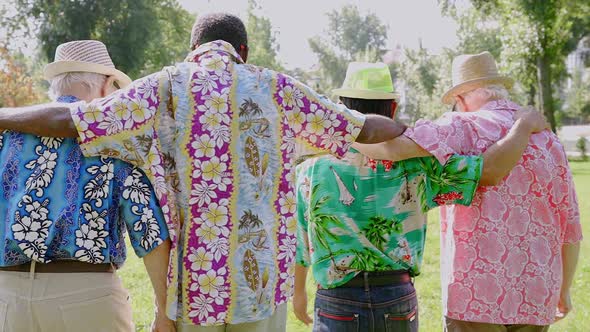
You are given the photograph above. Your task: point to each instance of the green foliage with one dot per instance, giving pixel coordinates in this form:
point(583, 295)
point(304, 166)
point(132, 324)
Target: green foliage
point(352, 36)
point(536, 37)
point(140, 35)
point(262, 43)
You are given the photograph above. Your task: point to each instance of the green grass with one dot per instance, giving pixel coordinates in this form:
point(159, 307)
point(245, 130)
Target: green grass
point(427, 284)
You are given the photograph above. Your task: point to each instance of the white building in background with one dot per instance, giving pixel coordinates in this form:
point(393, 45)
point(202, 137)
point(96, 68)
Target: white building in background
point(575, 61)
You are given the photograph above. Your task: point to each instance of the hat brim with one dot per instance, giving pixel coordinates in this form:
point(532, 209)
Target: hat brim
point(474, 84)
point(365, 94)
point(61, 67)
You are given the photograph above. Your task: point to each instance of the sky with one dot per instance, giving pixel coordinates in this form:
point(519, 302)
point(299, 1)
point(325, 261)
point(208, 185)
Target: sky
point(295, 21)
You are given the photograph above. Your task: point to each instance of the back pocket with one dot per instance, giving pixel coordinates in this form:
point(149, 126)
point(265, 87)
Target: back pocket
point(407, 322)
point(341, 322)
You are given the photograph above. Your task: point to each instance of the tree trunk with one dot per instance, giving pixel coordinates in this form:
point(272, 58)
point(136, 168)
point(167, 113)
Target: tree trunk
point(531, 95)
point(545, 91)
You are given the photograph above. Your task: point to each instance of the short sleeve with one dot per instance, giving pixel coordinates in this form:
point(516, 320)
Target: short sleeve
point(453, 133)
point(455, 182)
point(318, 124)
point(142, 214)
point(303, 248)
point(121, 125)
point(569, 212)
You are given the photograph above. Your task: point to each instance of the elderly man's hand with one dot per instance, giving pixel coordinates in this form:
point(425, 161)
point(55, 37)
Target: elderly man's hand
point(564, 306)
point(534, 120)
point(162, 323)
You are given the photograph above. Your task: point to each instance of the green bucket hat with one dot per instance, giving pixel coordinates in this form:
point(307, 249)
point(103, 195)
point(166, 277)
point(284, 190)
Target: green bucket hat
point(366, 80)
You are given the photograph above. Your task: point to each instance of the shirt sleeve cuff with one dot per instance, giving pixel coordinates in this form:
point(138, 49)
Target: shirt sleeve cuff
point(425, 133)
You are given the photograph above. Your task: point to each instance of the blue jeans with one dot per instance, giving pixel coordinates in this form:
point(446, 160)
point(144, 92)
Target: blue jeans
point(383, 308)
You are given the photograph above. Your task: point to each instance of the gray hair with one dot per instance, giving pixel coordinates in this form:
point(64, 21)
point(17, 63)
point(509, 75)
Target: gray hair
point(489, 92)
point(62, 83)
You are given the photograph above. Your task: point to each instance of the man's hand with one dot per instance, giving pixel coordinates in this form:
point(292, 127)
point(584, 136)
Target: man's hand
point(300, 307)
point(162, 323)
point(564, 306)
point(533, 120)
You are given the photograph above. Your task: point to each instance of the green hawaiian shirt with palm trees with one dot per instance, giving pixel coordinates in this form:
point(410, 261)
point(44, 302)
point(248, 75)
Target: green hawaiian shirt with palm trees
point(356, 214)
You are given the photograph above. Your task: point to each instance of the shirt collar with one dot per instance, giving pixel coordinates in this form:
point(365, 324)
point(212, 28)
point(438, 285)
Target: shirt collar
point(500, 104)
point(67, 99)
point(214, 46)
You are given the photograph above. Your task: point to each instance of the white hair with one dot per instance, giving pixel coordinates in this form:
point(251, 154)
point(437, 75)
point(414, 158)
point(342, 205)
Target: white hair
point(488, 92)
point(60, 84)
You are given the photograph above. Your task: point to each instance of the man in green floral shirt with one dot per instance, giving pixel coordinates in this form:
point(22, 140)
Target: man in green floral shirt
point(362, 223)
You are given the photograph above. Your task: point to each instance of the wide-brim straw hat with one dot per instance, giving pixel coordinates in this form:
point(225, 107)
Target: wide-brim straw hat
point(89, 56)
point(365, 80)
point(472, 71)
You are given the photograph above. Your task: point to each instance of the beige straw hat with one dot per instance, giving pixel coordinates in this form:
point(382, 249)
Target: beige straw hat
point(366, 80)
point(472, 71)
point(90, 56)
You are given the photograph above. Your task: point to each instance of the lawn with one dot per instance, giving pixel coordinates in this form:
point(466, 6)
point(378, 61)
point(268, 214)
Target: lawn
point(428, 284)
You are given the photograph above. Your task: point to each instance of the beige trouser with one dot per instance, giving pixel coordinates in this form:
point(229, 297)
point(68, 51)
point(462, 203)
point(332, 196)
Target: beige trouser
point(275, 323)
point(453, 325)
point(63, 302)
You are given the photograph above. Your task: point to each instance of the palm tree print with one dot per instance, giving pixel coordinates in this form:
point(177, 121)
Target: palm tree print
point(254, 119)
point(321, 222)
point(250, 222)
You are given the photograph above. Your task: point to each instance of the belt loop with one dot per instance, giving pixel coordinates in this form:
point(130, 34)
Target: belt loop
point(32, 270)
point(366, 280)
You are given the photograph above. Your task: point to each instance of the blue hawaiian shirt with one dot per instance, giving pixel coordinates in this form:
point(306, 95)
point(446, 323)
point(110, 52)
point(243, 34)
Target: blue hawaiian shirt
point(58, 205)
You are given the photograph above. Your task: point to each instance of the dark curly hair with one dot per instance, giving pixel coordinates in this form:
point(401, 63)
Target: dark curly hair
point(219, 26)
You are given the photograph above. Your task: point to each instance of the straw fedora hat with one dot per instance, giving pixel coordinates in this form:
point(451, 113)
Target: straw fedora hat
point(90, 56)
point(472, 71)
point(365, 80)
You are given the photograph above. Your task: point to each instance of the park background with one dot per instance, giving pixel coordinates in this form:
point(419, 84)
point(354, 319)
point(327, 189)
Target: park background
point(544, 45)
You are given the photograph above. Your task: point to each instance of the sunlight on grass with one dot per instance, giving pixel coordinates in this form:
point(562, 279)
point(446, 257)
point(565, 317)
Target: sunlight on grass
point(427, 284)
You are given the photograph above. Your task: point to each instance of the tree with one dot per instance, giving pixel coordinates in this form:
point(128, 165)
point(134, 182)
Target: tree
point(351, 37)
point(263, 47)
point(536, 37)
point(17, 81)
point(137, 33)
point(578, 97)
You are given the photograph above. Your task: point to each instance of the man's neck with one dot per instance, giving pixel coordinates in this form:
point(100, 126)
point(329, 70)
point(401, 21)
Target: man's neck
point(79, 93)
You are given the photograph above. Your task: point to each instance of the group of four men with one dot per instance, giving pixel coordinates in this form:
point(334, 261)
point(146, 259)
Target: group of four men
point(216, 169)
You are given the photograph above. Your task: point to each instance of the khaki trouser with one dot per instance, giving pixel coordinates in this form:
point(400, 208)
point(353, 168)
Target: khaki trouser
point(63, 302)
point(453, 325)
point(275, 323)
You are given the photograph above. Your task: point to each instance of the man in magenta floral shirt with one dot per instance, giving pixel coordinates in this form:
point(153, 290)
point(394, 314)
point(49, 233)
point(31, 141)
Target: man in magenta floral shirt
point(218, 139)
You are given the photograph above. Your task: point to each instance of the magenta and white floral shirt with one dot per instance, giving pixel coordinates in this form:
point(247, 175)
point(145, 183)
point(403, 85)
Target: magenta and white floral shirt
point(501, 257)
point(220, 155)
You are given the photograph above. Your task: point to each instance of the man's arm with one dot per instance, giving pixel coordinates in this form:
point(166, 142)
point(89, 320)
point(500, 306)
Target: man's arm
point(569, 255)
point(499, 159)
point(502, 157)
point(379, 129)
point(156, 264)
point(50, 120)
point(300, 295)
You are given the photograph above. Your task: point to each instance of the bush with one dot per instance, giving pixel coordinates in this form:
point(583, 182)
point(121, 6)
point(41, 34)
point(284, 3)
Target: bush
point(581, 145)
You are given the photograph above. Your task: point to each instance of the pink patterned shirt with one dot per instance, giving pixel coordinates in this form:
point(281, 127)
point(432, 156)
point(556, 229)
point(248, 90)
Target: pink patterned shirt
point(221, 156)
point(501, 256)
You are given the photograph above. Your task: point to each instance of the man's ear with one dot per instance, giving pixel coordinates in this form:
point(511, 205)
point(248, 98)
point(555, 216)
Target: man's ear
point(393, 108)
point(108, 87)
point(244, 53)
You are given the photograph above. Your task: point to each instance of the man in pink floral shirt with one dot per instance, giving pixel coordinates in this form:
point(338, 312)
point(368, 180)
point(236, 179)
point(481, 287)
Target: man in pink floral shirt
point(507, 261)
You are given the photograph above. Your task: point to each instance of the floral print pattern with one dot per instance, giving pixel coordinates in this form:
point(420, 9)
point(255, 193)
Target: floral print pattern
point(358, 214)
point(229, 182)
point(59, 205)
point(501, 257)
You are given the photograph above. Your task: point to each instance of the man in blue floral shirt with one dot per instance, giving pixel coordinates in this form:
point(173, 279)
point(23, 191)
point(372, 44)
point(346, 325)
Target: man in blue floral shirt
point(64, 217)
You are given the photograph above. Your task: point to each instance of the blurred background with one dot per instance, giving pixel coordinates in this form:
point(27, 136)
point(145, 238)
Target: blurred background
point(543, 45)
